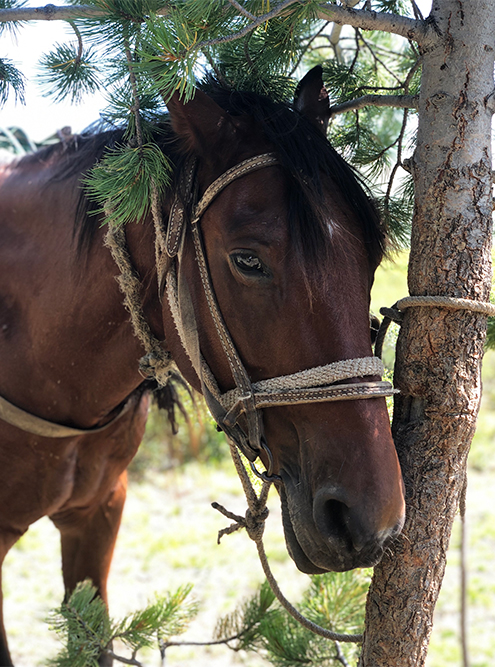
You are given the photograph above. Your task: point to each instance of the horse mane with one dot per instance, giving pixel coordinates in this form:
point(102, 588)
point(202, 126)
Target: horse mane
point(300, 146)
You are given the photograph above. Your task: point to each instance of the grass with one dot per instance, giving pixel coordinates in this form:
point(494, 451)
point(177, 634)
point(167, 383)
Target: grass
point(169, 531)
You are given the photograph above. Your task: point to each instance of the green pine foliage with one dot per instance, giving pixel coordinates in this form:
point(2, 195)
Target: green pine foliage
point(395, 6)
point(334, 601)
point(84, 627)
point(490, 334)
point(122, 182)
point(11, 79)
point(397, 209)
point(371, 138)
point(141, 51)
point(87, 632)
point(242, 629)
point(66, 73)
point(167, 617)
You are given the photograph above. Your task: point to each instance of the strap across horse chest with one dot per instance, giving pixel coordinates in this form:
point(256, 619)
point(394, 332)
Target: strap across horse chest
point(247, 399)
point(30, 423)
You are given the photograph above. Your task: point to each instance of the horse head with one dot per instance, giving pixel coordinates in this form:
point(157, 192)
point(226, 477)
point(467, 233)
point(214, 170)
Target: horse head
point(290, 249)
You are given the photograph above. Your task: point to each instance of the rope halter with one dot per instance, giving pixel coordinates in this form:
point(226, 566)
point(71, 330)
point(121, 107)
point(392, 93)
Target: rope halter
point(247, 399)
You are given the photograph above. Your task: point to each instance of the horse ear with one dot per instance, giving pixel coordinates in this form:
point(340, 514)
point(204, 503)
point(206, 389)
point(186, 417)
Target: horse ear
point(311, 98)
point(200, 123)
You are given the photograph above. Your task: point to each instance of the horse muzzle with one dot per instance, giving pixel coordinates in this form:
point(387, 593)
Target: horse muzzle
point(328, 533)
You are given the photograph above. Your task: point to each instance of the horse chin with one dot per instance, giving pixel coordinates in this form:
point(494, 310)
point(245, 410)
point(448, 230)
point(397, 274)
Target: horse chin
point(296, 552)
point(310, 552)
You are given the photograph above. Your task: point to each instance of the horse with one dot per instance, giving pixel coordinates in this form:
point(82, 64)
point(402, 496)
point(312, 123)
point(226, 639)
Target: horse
point(290, 242)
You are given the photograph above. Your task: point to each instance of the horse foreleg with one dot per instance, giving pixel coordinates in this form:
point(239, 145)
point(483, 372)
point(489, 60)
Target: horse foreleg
point(88, 537)
point(7, 539)
point(5, 658)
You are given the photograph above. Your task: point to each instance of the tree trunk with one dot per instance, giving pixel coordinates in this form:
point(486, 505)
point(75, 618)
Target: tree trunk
point(439, 351)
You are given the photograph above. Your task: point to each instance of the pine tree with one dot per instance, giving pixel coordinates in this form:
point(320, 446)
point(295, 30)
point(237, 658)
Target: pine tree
point(440, 68)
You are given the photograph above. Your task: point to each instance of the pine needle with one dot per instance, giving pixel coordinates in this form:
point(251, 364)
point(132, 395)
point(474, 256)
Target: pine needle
point(65, 73)
point(10, 79)
point(121, 183)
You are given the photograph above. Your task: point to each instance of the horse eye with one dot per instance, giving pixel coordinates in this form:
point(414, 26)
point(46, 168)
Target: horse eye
point(248, 263)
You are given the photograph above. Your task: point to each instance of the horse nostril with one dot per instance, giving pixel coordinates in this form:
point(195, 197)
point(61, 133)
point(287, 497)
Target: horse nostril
point(337, 522)
point(331, 516)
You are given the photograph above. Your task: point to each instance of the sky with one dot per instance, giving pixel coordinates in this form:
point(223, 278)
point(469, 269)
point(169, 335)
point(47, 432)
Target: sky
point(40, 117)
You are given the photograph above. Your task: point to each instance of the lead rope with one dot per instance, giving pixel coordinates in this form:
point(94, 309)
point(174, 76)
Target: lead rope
point(156, 362)
point(254, 523)
point(159, 361)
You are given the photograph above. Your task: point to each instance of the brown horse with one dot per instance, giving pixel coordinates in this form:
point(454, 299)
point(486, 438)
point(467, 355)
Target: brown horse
point(291, 249)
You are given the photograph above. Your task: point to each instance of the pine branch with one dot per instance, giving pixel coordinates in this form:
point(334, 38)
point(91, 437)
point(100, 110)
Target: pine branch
point(398, 162)
point(10, 78)
point(308, 47)
point(59, 13)
point(340, 657)
point(122, 659)
point(80, 46)
point(413, 29)
point(377, 60)
point(213, 642)
point(394, 101)
point(136, 106)
point(276, 11)
point(243, 11)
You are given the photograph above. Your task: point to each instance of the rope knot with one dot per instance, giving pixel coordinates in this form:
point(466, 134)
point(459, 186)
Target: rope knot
point(253, 522)
point(156, 364)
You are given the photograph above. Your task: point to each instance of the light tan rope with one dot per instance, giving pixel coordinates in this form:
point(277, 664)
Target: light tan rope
point(304, 386)
point(30, 423)
point(232, 174)
point(161, 257)
point(396, 312)
point(254, 523)
point(257, 511)
point(156, 362)
point(452, 303)
point(321, 375)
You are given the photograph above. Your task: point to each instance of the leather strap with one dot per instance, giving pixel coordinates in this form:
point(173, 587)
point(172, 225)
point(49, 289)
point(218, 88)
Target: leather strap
point(19, 418)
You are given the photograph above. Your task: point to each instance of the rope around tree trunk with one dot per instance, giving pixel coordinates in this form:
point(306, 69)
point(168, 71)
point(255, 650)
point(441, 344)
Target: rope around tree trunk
point(396, 312)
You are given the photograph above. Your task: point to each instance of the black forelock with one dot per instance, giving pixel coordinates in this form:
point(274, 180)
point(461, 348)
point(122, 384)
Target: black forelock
point(307, 156)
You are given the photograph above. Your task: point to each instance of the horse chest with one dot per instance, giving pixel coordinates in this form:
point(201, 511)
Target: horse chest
point(57, 476)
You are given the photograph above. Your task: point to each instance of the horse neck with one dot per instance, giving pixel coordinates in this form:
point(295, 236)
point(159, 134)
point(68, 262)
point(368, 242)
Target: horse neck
point(68, 350)
point(113, 354)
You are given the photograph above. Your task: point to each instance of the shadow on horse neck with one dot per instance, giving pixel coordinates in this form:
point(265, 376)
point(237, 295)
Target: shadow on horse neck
point(290, 250)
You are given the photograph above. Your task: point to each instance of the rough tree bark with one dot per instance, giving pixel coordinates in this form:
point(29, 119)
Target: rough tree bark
point(439, 351)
